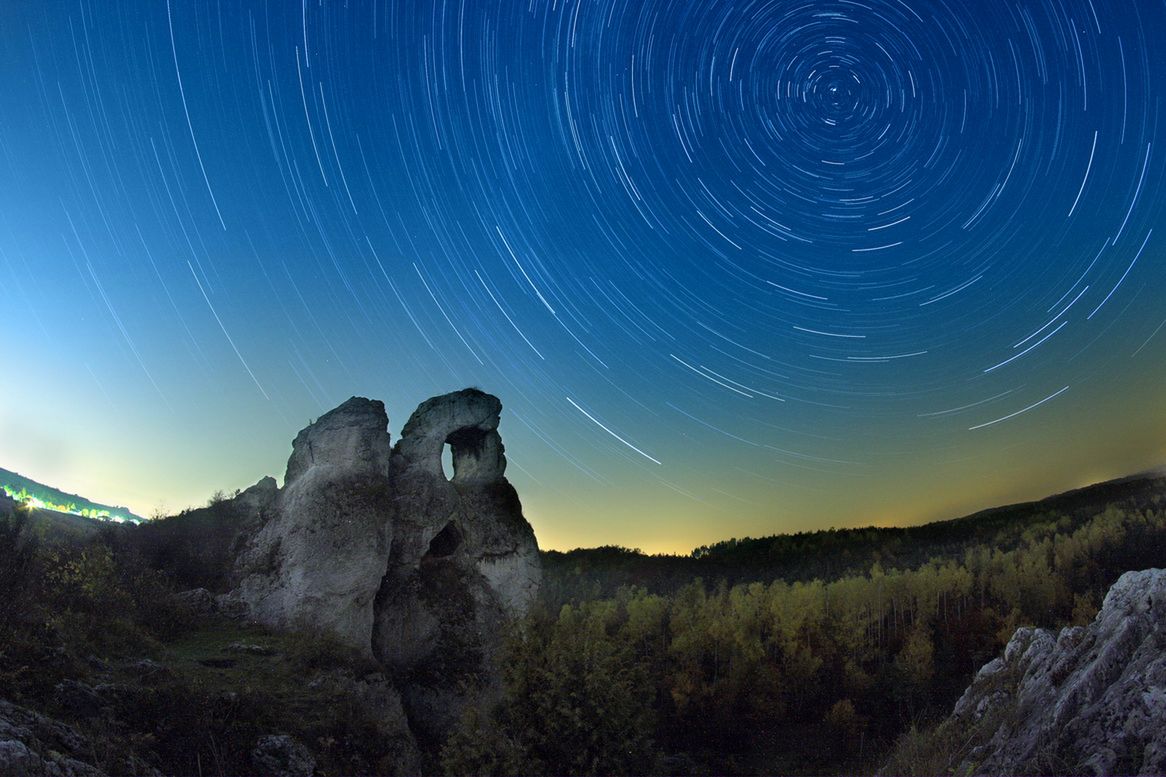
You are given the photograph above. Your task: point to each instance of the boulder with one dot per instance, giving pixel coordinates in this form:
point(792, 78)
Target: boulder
point(231, 605)
point(78, 699)
point(279, 755)
point(147, 668)
point(197, 601)
point(1086, 700)
point(250, 648)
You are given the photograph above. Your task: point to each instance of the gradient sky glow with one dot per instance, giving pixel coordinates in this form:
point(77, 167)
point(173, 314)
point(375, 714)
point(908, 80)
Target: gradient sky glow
point(734, 267)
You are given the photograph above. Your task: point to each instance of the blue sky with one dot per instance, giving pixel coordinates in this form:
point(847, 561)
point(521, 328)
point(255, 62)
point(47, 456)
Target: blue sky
point(732, 267)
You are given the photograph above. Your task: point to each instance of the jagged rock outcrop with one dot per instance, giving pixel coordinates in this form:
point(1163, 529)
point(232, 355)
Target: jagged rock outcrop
point(34, 744)
point(258, 498)
point(352, 439)
point(463, 559)
point(1089, 700)
point(318, 561)
point(374, 545)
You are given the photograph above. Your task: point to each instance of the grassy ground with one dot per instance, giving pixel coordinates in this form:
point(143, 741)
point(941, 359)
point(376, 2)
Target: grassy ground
point(257, 682)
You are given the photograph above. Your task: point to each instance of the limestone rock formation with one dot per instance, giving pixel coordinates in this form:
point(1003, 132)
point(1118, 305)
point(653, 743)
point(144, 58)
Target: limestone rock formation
point(258, 498)
point(352, 439)
point(462, 560)
point(468, 421)
point(31, 743)
point(318, 561)
point(374, 545)
point(1089, 700)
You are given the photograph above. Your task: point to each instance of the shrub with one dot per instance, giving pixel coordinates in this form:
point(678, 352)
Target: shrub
point(18, 549)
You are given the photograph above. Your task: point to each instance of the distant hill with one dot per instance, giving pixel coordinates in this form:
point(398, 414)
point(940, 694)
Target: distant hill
point(44, 497)
point(590, 573)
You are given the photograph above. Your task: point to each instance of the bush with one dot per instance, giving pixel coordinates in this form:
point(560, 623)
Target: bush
point(846, 724)
point(18, 549)
point(480, 746)
point(930, 751)
point(576, 700)
point(156, 609)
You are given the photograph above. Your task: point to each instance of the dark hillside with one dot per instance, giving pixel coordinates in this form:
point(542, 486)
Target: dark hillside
point(591, 573)
point(194, 547)
point(59, 528)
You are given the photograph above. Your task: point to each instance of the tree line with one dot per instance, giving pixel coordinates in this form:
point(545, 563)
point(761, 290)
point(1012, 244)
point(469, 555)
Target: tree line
point(802, 676)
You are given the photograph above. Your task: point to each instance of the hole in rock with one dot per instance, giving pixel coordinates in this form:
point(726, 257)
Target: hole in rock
point(467, 441)
point(466, 446)
point(445, 543)
point(447, 461)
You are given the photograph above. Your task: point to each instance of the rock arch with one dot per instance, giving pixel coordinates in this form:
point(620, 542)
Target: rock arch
point(468, 421)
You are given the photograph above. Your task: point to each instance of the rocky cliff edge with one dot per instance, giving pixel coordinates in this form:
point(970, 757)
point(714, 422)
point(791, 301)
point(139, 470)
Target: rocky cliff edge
point(1087, 700)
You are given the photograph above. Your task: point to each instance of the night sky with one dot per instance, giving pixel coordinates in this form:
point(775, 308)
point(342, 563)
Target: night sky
point(734, 267)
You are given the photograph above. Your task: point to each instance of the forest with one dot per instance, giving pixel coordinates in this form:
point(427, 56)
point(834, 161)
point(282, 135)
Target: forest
point(792, 676)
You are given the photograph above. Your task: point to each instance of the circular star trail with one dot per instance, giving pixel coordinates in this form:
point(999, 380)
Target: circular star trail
point(733, 266)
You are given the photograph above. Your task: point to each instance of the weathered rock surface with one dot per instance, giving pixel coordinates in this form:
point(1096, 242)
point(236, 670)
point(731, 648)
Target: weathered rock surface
point(1089, 700)
point(33, 744)
point(468, 421)
point(352, 439)
point(79, 699)
point(259, 497)
point(318, 561)
point(463, 560)
point(196, 601)
point(279, 755)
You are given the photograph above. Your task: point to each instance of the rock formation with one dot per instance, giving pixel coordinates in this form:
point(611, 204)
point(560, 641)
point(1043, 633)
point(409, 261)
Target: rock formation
point(372, 544)
point(318, 562)
point(1089, 700)
point(32, 743)
point(278, 755)
point(462, 560)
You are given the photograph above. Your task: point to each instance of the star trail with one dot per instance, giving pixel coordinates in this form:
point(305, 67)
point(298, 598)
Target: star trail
point(734, 267)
